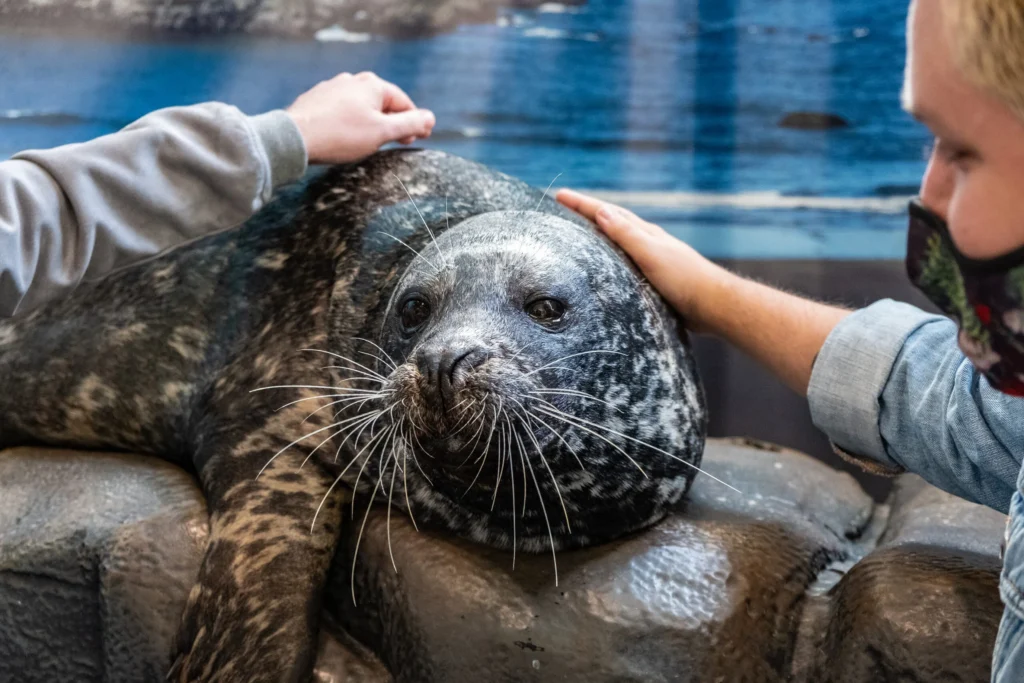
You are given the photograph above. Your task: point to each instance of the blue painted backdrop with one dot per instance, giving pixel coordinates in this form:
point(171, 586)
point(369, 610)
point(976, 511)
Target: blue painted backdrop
point(673, 101)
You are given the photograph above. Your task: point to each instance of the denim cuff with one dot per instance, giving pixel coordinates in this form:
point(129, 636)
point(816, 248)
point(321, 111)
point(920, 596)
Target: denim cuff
point(851, 372)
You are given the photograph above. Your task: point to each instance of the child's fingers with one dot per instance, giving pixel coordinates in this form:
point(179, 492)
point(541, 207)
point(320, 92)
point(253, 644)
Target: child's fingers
point(589, 207)
point(415, 123)
point(395, 99)
point(582, 204)
point(623, 228)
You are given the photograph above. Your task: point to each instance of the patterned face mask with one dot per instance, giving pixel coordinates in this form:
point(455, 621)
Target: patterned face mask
point(984, 297)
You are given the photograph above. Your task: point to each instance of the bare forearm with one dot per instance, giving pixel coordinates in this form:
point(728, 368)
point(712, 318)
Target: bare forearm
point(781, 331)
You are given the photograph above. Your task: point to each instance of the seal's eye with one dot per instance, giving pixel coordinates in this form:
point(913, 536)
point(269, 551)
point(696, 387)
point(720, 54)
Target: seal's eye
point(415, 312)
point(546, 311)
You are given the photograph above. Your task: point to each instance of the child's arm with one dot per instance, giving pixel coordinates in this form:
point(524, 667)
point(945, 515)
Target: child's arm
point(888, 384)
point(78, 212)
point(781, 331)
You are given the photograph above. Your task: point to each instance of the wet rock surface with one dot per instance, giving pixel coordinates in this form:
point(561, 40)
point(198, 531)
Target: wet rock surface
point(799, 578)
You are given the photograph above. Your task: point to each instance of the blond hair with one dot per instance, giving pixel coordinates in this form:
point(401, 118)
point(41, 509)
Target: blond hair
point(987, 39)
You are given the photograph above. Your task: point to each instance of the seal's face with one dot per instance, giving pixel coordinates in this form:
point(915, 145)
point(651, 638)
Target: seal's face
point(536, 394)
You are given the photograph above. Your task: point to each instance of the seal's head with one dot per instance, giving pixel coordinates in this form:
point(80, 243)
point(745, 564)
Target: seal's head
point(537, 392)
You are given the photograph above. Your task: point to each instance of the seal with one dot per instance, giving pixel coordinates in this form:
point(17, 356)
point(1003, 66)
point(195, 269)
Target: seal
point(416, 328)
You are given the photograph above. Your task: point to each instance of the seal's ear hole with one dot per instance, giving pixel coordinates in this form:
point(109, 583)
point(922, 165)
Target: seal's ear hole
point(546, 311)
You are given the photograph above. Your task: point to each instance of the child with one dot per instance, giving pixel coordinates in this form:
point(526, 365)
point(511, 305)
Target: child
point(889, 384)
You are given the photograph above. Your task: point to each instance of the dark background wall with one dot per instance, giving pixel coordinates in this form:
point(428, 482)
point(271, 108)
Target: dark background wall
point(746, 400)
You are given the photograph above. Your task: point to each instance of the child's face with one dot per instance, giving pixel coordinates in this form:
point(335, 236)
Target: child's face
point(975, 176)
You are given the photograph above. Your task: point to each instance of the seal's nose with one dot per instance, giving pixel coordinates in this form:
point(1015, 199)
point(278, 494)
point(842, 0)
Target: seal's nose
point(447, 367)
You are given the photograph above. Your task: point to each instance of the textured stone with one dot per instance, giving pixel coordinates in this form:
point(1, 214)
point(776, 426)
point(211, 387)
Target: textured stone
point(809, 120)
point(925, 601)
point(394, 18)
point(798, 578)
point(712, 593)
point(97, 554)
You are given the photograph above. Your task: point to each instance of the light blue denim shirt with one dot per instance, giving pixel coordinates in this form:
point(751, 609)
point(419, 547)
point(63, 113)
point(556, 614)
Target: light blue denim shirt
point(893, 392)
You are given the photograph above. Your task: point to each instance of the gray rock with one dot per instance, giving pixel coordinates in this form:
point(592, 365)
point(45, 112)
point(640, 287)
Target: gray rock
point(799, 578)
point(808, 120)
point(97, 555)
point(289, 18)
point(925, 600)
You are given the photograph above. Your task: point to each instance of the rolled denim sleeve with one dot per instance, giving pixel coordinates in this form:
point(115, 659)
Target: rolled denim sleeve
point(893, 391)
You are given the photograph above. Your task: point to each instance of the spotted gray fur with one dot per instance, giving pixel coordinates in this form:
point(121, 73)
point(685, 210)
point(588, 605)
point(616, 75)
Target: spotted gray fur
point(163, 358)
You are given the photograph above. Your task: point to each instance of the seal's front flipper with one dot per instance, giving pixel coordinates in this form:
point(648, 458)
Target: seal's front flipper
point(252, 615)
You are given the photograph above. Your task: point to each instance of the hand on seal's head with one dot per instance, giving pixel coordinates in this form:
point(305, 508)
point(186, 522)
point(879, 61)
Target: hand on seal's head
point(540, 393)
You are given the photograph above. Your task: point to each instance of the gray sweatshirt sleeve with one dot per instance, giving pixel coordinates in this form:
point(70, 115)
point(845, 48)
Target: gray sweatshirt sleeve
point(79, 212)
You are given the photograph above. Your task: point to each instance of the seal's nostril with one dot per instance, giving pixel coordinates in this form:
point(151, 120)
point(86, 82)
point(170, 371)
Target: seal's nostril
point(458, 365)
point(454, 364)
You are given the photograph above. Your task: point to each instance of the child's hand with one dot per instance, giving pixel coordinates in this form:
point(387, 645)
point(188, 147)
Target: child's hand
point(674, 268)
point(350, 117)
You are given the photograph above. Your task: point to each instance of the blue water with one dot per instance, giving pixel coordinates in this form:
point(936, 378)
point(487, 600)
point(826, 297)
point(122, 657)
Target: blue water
point(661, 96)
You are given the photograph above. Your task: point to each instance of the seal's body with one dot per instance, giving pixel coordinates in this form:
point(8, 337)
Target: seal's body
point(414, 327)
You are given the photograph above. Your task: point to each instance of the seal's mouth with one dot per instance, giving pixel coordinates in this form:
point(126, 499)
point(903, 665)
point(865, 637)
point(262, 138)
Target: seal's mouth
point(456, 417)
point(470, 430)
point(480, 449)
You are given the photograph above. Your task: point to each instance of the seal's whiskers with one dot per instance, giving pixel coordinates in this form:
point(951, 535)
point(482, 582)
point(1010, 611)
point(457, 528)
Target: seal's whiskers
point(628, 438)
point(544, 511)
point(521, 349)
point(366, 515)
point(405, 478)
point(545, 195)
point(572, 393)
point(504, 444)
point(487, 449)
point(320, 396)
point(547, 465)
point(373, 373)
point(357, 401)
point(357, 405)
point(372, 442)
point(512, 479)
point(457, 406)
point(463, 423)
point(522, 460)
point(557, 414)
point(337, 480)
point(413, 250)
point(319, 446)
point(390, 360)
point(392, 457)
point(560, 438)
point(360, 375)
point(572, 355)
point(298, 440)
point(362, 423)
point(429, 231)
point(350, 423)
point(475, 440)
point(347, 390)
point(391, 496)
